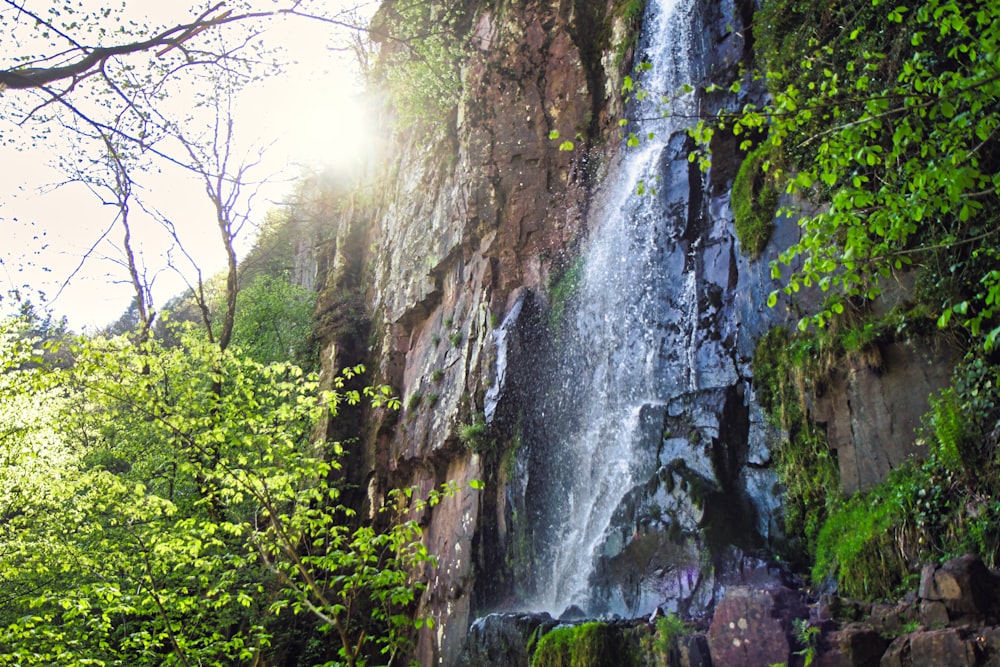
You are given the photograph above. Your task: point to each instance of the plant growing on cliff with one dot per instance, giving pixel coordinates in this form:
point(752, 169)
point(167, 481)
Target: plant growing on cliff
point(584, 645)
point(665, 643)
point(889, 114)
point(783, 366)
point(562, 289)
point(931, 510)
point(754, 201)
point(422, 53)
point(474, 435)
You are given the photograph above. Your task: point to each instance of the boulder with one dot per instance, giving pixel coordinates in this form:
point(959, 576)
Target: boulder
point(964, 586)
point(898, 653)
point(754, 627)
point(950, 647)
point(853, 646)
point(693, 651)
point(503, 639)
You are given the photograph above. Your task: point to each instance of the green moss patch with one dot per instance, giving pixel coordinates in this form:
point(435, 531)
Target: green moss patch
point(754, 200)
point(586, 645)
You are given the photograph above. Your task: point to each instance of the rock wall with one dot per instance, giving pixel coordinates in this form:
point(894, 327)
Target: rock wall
point(450, 265)
point(470, 218)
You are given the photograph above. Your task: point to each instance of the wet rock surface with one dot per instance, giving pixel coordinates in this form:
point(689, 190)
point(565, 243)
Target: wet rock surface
point(771, 623)
point(504, 639)
point(457, 262)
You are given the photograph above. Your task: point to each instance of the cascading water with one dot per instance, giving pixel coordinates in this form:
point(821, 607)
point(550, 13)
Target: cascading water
point(629, 344)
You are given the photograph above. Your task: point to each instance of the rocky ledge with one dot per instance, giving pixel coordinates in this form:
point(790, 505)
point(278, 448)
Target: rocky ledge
point(953, 620)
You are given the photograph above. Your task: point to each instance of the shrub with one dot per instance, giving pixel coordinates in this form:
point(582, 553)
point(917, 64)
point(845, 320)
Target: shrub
point(863, 544)
point(474, 434)
point(783, 367)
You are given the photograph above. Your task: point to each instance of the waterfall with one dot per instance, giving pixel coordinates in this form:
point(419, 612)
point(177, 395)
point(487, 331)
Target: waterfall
point(630, 342)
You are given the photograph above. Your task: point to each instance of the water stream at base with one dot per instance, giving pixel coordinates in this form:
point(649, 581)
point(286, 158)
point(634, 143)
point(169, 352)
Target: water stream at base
point(618, 349)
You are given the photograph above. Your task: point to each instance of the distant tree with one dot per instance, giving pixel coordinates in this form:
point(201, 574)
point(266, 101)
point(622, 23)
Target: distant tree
point(274, 321)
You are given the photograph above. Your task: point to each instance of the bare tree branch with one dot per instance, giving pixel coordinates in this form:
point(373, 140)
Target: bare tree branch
point(92, 58)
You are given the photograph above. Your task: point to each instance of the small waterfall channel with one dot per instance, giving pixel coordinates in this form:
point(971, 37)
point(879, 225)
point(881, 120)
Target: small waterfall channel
point(628, 345)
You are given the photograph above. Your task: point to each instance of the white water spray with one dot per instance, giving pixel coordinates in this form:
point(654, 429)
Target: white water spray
point(619, 357)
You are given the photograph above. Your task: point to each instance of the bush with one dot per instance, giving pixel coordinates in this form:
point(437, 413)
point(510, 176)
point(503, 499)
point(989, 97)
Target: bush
point(943, 507)
point(864, 545)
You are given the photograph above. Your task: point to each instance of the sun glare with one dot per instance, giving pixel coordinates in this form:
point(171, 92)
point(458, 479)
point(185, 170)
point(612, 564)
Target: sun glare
point(314, 112)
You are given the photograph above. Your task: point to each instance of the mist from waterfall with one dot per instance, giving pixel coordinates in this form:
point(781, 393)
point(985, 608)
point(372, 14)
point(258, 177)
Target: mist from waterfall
point(617, 351)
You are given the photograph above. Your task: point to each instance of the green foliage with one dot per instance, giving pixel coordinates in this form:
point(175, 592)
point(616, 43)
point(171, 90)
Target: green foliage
point(948, 426)
point(631, 12)
point(932, 510)
point(421, 58)
point(669, 630)
point(455, 339)
point(783, 368)
point(754, 201)
point(562, 291)
point(274, 321)
point(962, 425)
point(584, 645)
point(437, 375)
point(273, 252)
point(474, 435)
point(808, 636)
point(162, 505)
point(889, 115)
point(859, 543)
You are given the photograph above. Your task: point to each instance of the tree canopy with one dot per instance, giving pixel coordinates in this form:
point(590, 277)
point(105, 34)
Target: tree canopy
point(163, 505)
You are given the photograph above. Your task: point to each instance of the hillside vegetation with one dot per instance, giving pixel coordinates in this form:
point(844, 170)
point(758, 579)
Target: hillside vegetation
point(884, 117)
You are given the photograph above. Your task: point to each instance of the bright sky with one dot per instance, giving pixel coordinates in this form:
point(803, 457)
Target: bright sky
point(313, 114)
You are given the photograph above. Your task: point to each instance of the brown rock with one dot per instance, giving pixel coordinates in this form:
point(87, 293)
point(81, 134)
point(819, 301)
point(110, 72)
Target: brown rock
point(693, 650)
point(951, 647)
point(889, 619)
point(853, 646)
point(753, 627)
point(962, 585)
point(965, 586)
point(898, 653)
point(871, 413)
point(933, 614)
point(927, 591)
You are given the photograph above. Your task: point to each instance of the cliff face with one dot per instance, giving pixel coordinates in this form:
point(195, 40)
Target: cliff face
point(467, 217)
point(457, 265)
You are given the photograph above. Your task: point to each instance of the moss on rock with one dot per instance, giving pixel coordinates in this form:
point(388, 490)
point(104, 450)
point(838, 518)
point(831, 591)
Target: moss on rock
point(754, 200)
